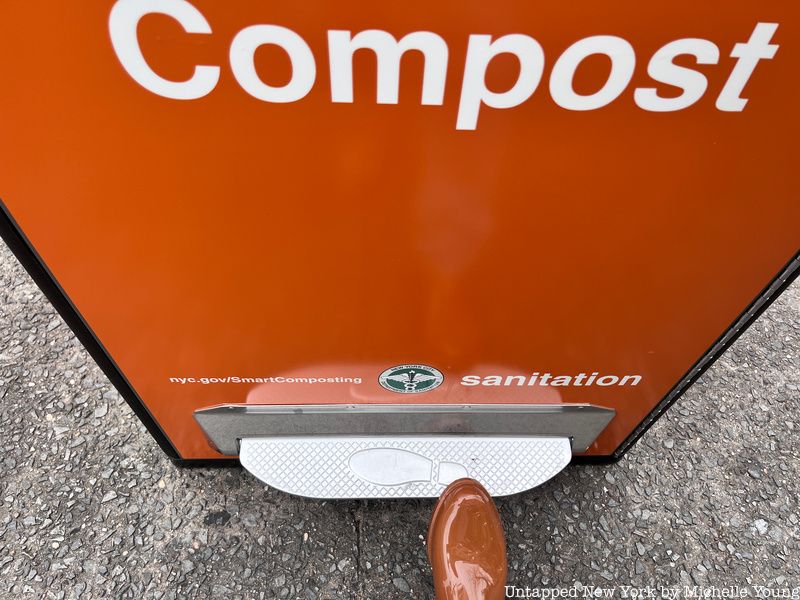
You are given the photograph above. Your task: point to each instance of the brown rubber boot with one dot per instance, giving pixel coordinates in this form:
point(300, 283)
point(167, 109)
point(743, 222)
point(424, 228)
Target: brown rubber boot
point(466, 544)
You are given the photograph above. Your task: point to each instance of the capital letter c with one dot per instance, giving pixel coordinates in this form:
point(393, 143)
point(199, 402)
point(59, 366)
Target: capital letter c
point(122, 25)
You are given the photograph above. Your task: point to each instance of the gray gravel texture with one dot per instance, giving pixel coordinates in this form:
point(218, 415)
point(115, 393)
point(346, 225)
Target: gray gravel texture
point(90, 508)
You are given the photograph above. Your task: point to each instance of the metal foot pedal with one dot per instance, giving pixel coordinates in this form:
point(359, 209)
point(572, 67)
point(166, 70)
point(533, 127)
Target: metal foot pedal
point(403, 466)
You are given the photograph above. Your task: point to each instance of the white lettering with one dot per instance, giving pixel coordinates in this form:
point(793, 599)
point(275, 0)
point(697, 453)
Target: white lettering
point(388, 52)
point(304, 68)
point(756, 49)
point(664, 70)
point(480, 52)
point(123, 23)
point(623, 61)
point(126, 15)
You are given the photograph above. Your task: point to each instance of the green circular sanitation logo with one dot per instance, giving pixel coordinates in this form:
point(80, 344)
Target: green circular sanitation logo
point(411, 379)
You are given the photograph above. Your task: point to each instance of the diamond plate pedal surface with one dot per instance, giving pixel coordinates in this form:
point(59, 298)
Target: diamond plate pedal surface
point(402, 467)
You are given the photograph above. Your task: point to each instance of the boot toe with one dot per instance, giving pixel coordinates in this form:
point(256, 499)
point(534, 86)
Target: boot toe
point(466, 544)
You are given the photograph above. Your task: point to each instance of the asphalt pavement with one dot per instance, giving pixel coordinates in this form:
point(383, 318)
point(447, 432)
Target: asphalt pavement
point(91, 508)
